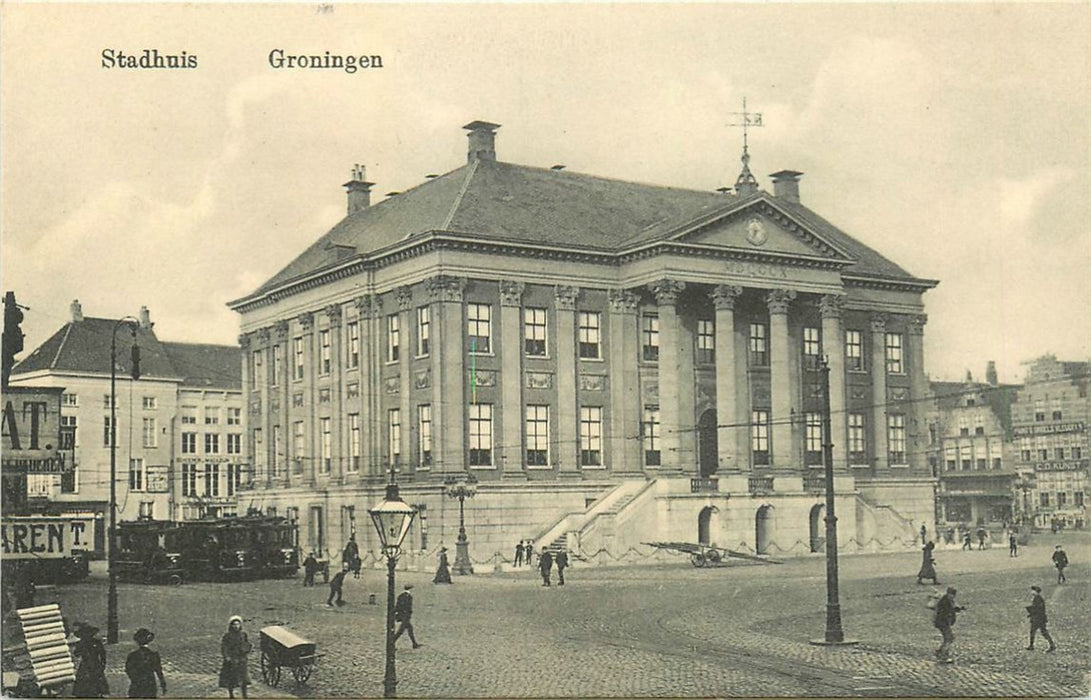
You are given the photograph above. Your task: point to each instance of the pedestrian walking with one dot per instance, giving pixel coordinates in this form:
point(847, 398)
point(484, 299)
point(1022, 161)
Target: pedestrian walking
point(350, 557)
point(443, 572)
point(545, 565)
point(561, 562)
point(1036, 611)
point(336, 584)
point(928, 565)
point(981, 538)
point(143, 666)
point(403, 615)
point(235, 649)
point(519, 553)
point(924, 534)
point(1013, 545)
point(967, 541)
point(310, 568)
point(945, 614)
point(91, 675)
point(528, 553)
point(1060, 560)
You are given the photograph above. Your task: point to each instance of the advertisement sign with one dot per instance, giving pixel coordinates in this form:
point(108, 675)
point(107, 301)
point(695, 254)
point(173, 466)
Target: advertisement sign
point(44, 537)
point(32, 431)
point(1047, 429)
point(157, 479)
point(1071, 465)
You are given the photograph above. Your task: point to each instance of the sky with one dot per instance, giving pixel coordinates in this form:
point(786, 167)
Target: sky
point(952, 138)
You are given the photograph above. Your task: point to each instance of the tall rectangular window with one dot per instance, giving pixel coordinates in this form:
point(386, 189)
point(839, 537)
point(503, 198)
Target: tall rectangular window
point(424, 434)
point(189, 479)
point(812, 347)
point(326, 435)
point(354, 442)
point(479, 328)
point(480, 435)
point(212, 479)
point(424, 330)
point(278, 451)
point(394, 435)
point(854, 351)
point(393, 337)
point(234, 478)
point(706, 341)
point(106, 402)
point(1039, 410)
point(649, 337)
point(857, 443)
point(759, 437)
point(150, 433)
point(1055, 409)
point(650, 436)
point(278, 361)
point(136, 474)
point(758, 344)
point(591, 436)
point(534, 332)
point(234, 415)
point(537, 436)
point(256, 367)
point(352, 330)
point(189, 443)
point(234, 444)
point(106, 431)
point(298, 369)
point(69, 434)
point(894, 353)
point(298, 444)
point(212, 415)
point(324, 352)
point(812, 439)
point(589, 334)
point(212, 444)
point(896, 437)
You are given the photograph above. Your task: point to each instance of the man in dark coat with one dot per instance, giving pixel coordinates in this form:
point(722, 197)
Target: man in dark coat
point(350, 557)
point(562, 563)
point(1036, 611)
point(1060, 560)
point(945, 614)
point(310, 568)
point(528, 553)
point(1013, 545)
point(403, 615)
point(336, 584)
point(519, 553)
point(545, 564)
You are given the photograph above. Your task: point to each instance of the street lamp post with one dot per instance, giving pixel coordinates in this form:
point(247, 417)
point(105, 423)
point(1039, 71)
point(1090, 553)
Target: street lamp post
point(462, 489)
point(111, 595)
point(392, 519)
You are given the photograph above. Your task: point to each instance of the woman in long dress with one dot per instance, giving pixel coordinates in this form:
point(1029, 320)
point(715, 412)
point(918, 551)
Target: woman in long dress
point(91, 676)
point(928, 564)
point(443, 572)
point(234, 647)
point(144, 667)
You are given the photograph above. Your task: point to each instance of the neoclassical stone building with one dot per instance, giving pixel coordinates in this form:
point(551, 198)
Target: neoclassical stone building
point(612, 362)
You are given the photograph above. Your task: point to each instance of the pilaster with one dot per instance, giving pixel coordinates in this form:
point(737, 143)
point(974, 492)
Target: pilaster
point(337, 409)
point(448, 374)
point(404, 298)
point(281, 338)
point(833, 347)
point(568, 410)
point(368, 386)
point(511, 377)
point(309, 463)
point(626, 410)
point(879, 393)
point(917, 424)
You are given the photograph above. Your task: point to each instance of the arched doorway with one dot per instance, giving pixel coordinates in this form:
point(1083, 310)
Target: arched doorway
point(818, 537)
point(704, 525)
point(763, 534)
point(707, 443)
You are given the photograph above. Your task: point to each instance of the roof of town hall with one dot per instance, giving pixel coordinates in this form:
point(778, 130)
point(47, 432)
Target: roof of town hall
point(84, 347)
point(520, 204)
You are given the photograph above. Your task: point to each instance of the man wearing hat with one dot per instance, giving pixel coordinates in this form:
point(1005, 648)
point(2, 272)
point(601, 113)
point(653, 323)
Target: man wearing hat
point(1060, 560)
point(1036, 611)
point(945, 614)
point(403, 614)
point(143, 666)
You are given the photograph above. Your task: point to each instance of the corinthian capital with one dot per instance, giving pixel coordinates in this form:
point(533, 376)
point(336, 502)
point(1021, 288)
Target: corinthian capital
point(878, 323)
point(831, 305)
point(244, 340)
point(445, 288)
point(666, 291)
point(365, 305)
point(306, 319)
point(333, 313)
point(263, 336)
point(623, 301)
point(916, 324)
point(779, 299)
point(724, 296)
point(511, 293)
point(281, 329)
point(566, 296)
point(404, 297)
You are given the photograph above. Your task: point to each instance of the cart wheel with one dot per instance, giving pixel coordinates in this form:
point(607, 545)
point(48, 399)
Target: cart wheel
point(714, 556)
point(174, 580)
point(302, 673)
point(270, 672)
point(697, 560)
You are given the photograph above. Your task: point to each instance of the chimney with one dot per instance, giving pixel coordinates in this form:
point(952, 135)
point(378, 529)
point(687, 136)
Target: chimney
point(77, 311)
point(786, 185)
point(482, 140)
point(359, 189)
point(990, 374)
point(145, 318)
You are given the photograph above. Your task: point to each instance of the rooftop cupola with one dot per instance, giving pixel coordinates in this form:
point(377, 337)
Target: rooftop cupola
point(482, 136)
point(359, 189)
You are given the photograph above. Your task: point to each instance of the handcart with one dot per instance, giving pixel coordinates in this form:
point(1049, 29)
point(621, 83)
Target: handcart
point(702, 555)
point(282, 648)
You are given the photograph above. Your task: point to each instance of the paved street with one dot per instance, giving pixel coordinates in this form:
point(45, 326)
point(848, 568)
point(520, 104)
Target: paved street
point(662, 630)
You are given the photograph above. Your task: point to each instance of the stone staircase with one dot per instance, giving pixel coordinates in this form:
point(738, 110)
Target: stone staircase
point(555, 536)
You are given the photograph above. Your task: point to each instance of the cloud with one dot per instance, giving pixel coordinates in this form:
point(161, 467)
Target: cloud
point(1020, 199)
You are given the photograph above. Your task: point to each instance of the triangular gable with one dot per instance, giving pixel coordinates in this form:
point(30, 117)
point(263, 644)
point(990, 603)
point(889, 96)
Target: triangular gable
point(758, 226)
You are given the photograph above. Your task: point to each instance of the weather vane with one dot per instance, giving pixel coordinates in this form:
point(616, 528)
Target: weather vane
point(746, 120)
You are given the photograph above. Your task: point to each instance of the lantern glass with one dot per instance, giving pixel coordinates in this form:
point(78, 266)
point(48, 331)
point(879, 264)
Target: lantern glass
point(392, 519)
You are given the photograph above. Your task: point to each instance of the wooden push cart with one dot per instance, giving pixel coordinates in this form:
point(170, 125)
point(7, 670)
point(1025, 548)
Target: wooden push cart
point(702, 555)
point(282, 648)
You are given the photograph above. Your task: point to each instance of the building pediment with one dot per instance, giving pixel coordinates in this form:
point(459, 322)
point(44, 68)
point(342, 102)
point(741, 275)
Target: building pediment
point(759, 226)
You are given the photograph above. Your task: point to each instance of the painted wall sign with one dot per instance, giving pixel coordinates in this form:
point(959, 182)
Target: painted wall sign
point(45, 537)
point(1047, 429)
point(32, 432)
point(1071, 465)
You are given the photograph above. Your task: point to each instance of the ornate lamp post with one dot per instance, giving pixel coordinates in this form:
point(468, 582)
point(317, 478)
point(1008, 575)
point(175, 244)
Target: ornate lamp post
point(392, 519)
point(462, 489)
point(111, 595)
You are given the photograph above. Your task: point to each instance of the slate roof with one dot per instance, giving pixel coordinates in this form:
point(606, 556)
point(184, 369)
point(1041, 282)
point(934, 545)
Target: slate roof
point(521, 204)
point(999, 398)
point(84, 346)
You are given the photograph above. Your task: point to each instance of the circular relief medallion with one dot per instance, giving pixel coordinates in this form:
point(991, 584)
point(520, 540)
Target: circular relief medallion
point(755, 231)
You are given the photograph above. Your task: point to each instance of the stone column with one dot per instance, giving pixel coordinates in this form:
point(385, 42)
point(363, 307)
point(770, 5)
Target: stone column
point(917, 428)
point(284, 381)
point(727, 438)
point(309, 412)
point(246, 445)
point(404, 298)
point(878, 390)
point(626, 410)
point(568, 408)
point(780, 380)
point(368, 387)
point(833, 347)
point(448, 374)
point(670, 413)
point(337, 413)
point(511, 378)
point(265, 410)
